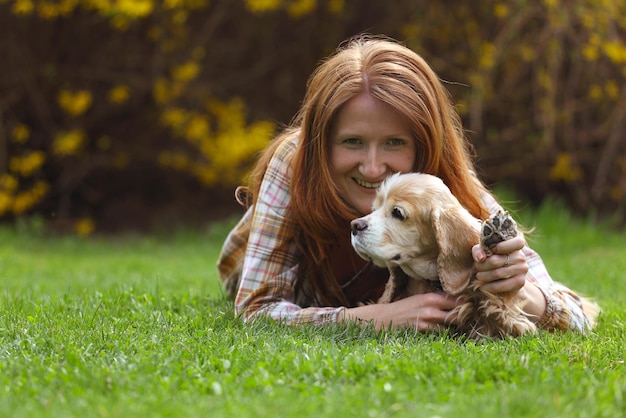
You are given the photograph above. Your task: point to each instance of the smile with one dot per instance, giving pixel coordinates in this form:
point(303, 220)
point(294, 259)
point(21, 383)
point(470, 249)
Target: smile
point(367, 184)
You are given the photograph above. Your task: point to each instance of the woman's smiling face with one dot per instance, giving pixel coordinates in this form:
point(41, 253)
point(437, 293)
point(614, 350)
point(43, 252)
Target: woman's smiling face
point(369, 141)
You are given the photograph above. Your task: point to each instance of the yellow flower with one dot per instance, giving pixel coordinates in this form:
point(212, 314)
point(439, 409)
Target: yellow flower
point(179, 17)
point(68, 143)
point(501, 10)
point(29, 198)
point(564, 169)
point(186, 72)
point(119, 94)
point(20, 133)
point(161, 91)
point(487, 55)
point(174, 117)
point(120, 22)
point(27, 165)
point(8, 183)
point(590, 52)
point(259, 6)
point(48, 11)
point(595, 92)
point(528, 54)
point(551, 4)
point(84, 227)
point(616, 51)
point(134, 8)
point(197, 129)
point(173, 4)
point(612, 89)
point(74, 103)
point(6, 202)
point(301, 8)
point(23, 7)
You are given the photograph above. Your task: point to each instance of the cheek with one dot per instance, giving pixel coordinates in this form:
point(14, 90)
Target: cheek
point(405, 164)
point(340, 162)
point(403, 161)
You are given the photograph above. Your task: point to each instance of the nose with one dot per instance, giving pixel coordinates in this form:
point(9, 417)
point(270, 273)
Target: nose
point(358, 225)
point(373, 167)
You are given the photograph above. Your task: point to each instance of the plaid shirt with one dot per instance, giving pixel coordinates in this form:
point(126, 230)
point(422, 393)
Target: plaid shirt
point(264, 265)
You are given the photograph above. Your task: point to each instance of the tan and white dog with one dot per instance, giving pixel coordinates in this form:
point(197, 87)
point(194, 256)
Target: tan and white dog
point(424, 236)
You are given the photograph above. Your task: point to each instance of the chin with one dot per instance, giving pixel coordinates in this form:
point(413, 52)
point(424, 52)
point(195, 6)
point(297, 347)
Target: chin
point(361, 200)
point(363, 208)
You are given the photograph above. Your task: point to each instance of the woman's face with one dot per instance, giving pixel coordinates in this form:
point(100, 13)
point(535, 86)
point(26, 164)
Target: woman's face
point(369, 141)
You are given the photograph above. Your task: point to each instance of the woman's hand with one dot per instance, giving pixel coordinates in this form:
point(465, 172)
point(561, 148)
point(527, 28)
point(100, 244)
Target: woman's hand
point(505, 272)
point(423, 312)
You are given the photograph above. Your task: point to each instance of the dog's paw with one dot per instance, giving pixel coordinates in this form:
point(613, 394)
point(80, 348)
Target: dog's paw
point(499, 227)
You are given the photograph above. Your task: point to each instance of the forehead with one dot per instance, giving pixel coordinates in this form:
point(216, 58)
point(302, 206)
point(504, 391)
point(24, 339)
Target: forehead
point(367, 114)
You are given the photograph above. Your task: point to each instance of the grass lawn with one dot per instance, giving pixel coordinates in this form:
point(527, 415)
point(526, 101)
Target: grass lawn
point(137, 326)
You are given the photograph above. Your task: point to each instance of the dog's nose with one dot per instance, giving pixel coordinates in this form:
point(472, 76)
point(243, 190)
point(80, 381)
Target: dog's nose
point(357, 226)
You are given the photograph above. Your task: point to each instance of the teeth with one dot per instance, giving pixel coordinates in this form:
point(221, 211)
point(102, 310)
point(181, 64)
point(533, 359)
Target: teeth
point(368, 185)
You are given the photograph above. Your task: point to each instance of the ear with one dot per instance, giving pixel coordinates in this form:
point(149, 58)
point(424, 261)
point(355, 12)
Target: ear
point(456, 236)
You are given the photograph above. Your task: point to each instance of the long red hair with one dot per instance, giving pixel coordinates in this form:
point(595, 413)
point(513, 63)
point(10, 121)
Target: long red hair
point(400, 78)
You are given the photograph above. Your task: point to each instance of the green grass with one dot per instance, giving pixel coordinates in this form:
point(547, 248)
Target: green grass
point(137, 326)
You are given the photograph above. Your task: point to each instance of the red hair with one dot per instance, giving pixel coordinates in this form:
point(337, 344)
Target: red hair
point(400, 78)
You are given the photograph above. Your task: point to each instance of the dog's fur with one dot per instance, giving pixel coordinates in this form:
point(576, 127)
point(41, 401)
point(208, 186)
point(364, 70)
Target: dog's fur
point(424, 236)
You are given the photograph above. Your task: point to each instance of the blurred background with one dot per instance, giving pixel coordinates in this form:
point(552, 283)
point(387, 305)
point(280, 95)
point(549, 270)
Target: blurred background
point(120, 115)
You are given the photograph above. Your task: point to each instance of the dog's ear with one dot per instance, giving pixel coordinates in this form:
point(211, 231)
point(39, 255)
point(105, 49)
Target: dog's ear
point(455, 237)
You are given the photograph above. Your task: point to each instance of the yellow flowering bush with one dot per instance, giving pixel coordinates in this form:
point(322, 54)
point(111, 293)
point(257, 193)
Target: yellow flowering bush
point(541, 87)
point(110, 106)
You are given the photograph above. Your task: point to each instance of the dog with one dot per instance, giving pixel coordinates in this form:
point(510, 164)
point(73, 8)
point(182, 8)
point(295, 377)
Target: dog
point(424, 236)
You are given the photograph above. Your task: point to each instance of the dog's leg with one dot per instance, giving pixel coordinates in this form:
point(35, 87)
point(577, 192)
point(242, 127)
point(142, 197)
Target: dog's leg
point(390, 287)
point(497, 316)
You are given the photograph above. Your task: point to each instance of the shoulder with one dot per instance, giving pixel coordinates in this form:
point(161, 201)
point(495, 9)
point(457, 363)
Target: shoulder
point(490, 202)
point(280, 161)
point(286, 148)
point(274, 190)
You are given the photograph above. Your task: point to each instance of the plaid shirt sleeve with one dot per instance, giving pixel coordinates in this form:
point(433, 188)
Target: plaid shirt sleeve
point(564, 309)
point(271, 258)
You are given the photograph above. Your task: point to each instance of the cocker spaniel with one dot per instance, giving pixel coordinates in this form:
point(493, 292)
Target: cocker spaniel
point(420, 231)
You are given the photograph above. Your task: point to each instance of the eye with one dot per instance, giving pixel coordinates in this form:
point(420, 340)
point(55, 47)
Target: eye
point(352, 141)
point(396, 142)
point(398, 214)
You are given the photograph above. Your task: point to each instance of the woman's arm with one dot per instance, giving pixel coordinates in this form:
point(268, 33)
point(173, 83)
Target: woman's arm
point(423, 312)
point(506, 271)
point(271, 259)
point(550, 304)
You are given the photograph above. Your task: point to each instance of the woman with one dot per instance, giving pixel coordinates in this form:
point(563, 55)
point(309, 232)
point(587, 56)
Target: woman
point(371, 109)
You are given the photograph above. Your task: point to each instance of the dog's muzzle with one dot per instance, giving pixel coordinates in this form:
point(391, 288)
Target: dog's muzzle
point(357, 226)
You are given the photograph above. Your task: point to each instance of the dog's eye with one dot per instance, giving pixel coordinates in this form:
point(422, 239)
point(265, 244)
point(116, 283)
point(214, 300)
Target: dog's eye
point(398, 214)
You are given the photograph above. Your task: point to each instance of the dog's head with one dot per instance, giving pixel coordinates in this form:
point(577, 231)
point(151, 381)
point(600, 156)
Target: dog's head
point(419, 226)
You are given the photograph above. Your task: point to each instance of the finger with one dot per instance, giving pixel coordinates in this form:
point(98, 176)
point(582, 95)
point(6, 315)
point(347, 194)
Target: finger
point(501, 261)
point(488, 275)
point(448, 302)
point(478, 253)
point(511, 284)
point(441, 321)
point(508, 246)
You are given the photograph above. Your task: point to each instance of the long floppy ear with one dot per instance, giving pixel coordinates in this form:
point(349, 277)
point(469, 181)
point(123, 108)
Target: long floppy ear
point(455, 237)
